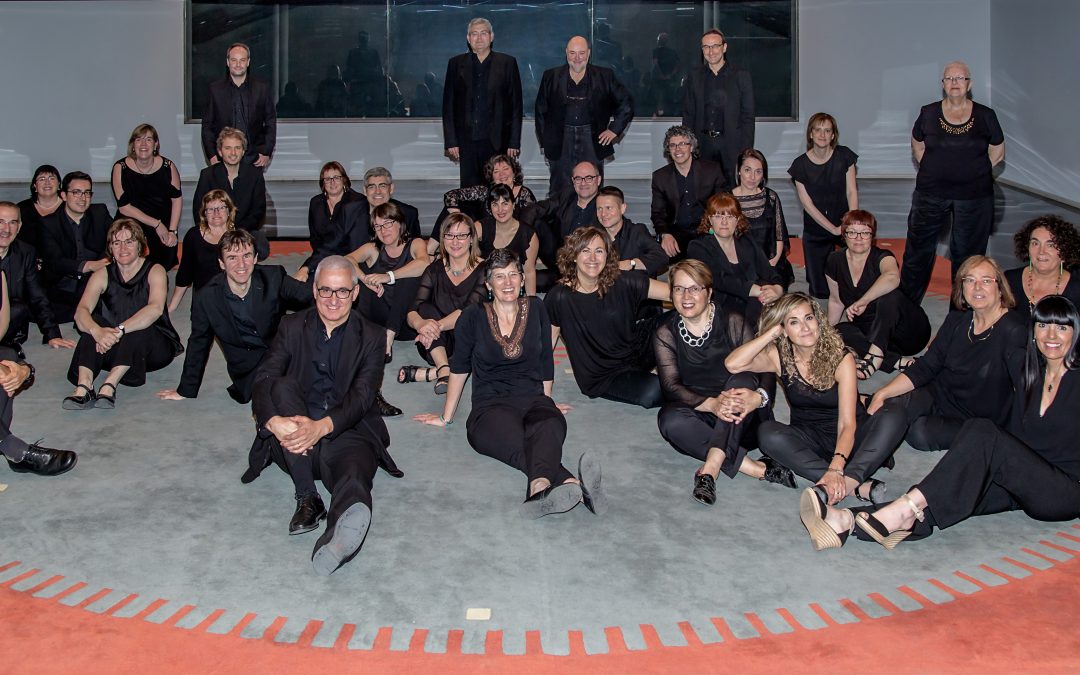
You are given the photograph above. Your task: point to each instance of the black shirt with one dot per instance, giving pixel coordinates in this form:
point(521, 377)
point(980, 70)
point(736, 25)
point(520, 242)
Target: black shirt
point(733, 281)
point(715, 98)
point(689, 375)
point(1015, 277)
point(1054, 434)
point(244, 320)
point(826, 184)
point(582, 217)
point(956, 164)
point(324, 361)
point(495, 375)
point(199, 263)
point(689, 212)
point(480, 119)
point(577, 101)
point(837, 269)
point(634, 241)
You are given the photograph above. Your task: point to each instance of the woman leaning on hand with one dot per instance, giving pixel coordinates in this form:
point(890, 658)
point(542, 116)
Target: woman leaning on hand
point(505, 343)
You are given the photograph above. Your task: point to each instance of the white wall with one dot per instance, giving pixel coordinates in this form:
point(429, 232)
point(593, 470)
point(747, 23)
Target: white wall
point(1034, 66)
point(81, 75)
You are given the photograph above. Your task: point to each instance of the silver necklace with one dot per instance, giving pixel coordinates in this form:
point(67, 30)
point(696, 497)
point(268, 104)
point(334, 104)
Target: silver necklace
point(697, 341)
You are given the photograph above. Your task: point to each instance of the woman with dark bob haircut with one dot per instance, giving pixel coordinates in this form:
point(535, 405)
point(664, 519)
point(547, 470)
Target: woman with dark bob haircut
point(505, 343)
point(1050, 248)
point(710, 414)
point(43, 201)
point(474, 200)
point(1030, 463)
point(595, 307)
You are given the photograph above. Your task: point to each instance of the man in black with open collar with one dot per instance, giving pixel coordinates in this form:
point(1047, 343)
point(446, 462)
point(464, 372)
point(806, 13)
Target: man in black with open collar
point(314, 405)
point(243, 102)
point(481, 106)
point(680, 190)
point(638, 249)
point(243, 183)
point(581, 110)
point(554, 218)
point(72, 244)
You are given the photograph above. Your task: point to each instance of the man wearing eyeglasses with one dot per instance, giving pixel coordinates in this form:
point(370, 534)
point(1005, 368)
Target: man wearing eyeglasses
point(680, 190)
point(243, 183)
point(719, 105)
point(314, 406)
point(243, 102)
point(581, 110)
point(556, 217)
point(73, 244)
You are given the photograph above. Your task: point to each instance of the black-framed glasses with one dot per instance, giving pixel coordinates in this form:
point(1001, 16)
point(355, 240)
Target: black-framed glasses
point(387, 224)
point(578, 180)
point(332, 179)
point(956, 79)
point(460, 236)
point(340, 293)
point(80, 193)
point(852, 234)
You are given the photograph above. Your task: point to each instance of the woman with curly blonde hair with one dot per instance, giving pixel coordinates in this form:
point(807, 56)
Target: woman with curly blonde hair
point(831, 439)
point(597, 310)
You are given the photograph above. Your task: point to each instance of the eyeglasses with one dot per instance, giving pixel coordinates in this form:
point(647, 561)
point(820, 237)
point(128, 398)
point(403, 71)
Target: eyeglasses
point(145, 139)
point(678, 146)
point(723, 216)
point(377, 187)
point(340, 293)
point(985, 282)
point(689, 290)
point(861, 234)
point(123, 243)
point(46, 178)
point(578, 180)
point(715, 46)
point(80, 193)
point(216, 209)
point(387, 224)
point(332, 179)
point(460, 236)
point(955, 79)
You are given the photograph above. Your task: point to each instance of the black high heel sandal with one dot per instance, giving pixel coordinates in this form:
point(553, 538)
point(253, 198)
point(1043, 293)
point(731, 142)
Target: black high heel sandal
point(812, 512)
point(442, 383)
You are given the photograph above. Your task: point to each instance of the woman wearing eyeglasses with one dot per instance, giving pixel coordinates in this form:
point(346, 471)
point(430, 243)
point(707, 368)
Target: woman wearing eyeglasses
point(448, 285)
point(325, 210)
point(710, 414)
point(147, 190)
point(956, 143)
point(875, 319)
point(124, 322)
point(963, 374)
point(744, 279)
point(199, 263)
point(390, 268)
point(44, 200)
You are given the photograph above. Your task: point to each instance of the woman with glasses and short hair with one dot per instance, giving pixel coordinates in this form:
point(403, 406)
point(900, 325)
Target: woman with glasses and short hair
point(326, 215)
point(147, 190)
point(963, 374)
point(44, 200)
point(124, 322)
point(200, 263)
point(875, 319)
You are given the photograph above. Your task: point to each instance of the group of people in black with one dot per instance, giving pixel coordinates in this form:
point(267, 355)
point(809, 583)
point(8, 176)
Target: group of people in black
point(994, 388)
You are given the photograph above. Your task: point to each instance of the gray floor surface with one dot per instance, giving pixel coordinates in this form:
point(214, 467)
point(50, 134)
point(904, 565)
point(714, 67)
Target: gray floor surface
point(155, 508)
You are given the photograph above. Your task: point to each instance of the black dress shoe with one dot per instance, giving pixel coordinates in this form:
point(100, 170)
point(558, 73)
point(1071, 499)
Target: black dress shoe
point(309, 511)
point(704, 489)
point(553, 499)
point(777, 473)
point(386, 409)
point(45, 461)
point(592, 493)
point(336, 548)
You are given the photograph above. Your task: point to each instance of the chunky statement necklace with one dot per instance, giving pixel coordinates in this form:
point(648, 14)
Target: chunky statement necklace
point(954, 129)
point(697, 341)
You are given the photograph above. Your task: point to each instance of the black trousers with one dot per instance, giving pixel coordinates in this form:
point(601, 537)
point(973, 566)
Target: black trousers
point(345, 464)
point(445, 339)
point(473, 155)
point(807, 450)
point(893, 324)
point(524, 432)
point(636, 387)
point(390, 310)
point(989, 471)
point(972, 221)
point(11, 446)
point(929, 429)
point(816, 250)
point(694, 432)
point(142, 351)
point(577, 147)
point(712, 149)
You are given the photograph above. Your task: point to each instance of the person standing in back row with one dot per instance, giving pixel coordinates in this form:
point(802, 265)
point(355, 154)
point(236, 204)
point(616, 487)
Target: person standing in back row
point(242, 102)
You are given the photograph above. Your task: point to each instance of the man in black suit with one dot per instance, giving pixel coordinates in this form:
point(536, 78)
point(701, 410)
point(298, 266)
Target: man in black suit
point(481, 107)
point(242, 102)
point(243, 183)
point(26, 297)
point(73, 244)
point(581, 110)
point(314, 405)
point(719, 105)
point(681, 189)
point(556, 217)
point(637, 246)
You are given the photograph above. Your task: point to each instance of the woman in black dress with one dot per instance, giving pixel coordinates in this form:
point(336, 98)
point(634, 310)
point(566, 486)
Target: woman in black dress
point(956, 143)
point(325, 214)
point(200, 262)
point(505, 343)
point(875, 319)
point(764, 212)
point(595, 308)
point(963, 375)
point(147, 190)
point(390, 269)
point(502, 229)
point(448, 285)
point(708, 411)
point(125, 326)
point(1031, 463)
point(830, 440)
point(825, 182)
point(743, 276)
point(43, 201)
point(1050, 248)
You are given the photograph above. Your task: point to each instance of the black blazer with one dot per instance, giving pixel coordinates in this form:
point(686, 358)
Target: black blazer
point(732, 281)
point(353, 229)
point(708, 180)
point(26, 296)
point(610, 107)
point(358, 379)
point(738, 112)
point(58, 252)
point(503, 100)
point(272, 292)
point(248, 193)
point(555, 214)
point(262, 116)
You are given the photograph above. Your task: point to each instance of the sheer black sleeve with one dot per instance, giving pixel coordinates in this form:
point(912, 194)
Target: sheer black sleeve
point(667, 368)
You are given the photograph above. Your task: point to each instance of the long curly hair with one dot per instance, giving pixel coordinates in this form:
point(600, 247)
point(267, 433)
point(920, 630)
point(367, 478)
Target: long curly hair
point(577, 242)
point(829, 350)
point(1066, 239)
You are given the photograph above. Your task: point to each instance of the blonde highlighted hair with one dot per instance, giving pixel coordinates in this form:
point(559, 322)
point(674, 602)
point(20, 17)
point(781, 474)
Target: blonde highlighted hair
point(829, 350)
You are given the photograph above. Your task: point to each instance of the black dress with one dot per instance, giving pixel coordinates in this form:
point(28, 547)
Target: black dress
point(519, 244)
point(1015, 277)
point(892, 322)
point(512, 420)
point(438, 297)
point(199, 263)
point(151, 193)
point(765, 214)
point(143, 351)
point(30, 230)
point(389, 310)
point(733, 281)
point(826, 185)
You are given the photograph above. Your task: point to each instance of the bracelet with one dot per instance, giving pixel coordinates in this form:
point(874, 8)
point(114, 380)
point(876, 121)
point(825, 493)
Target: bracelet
point(764, 397)
point(445, 421)
point(843, 457)
point(835, 471)
point(393, 279)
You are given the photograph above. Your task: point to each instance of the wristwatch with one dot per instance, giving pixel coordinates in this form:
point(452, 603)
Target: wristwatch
point(29, 378)
point(633, 263)
point(764, 397)
point(121, 329)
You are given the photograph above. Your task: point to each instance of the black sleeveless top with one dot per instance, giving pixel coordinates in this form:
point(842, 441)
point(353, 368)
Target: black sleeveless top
point(811, 407)
point(385, 263)
point(151, 193)
point(519, 244)
point(122, 299)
